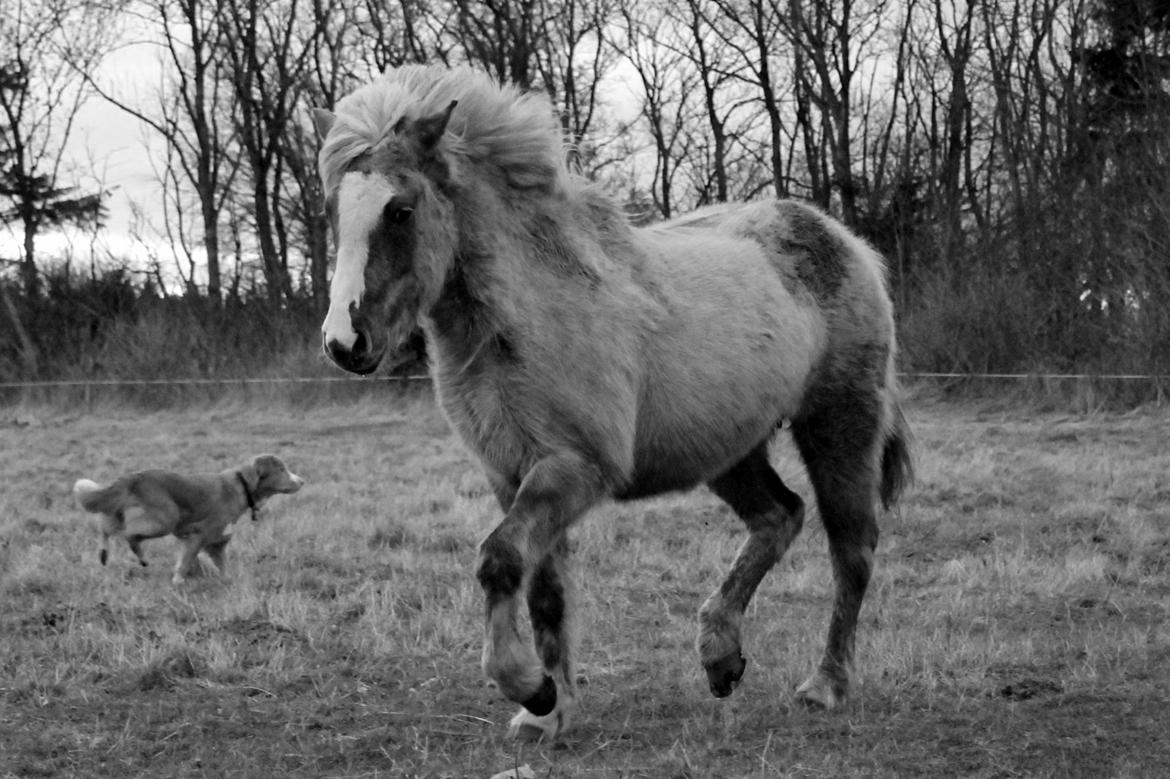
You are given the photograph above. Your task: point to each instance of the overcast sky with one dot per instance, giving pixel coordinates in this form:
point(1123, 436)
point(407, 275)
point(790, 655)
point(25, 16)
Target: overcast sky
point(110, 149)
point(114, 147)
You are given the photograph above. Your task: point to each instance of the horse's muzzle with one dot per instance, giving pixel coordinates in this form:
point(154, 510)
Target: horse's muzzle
point(361, 358)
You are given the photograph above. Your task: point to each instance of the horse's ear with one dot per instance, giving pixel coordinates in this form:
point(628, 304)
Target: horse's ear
point(323, 120)
point(431, 128)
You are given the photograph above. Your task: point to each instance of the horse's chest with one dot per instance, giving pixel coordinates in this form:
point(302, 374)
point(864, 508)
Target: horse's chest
point(481, 414)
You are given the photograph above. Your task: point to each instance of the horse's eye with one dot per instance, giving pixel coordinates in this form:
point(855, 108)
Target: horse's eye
point(399, 216)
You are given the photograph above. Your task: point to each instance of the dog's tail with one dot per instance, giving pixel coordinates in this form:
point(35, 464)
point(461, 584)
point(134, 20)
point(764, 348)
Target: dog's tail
point(106, 501)
point(95, 498)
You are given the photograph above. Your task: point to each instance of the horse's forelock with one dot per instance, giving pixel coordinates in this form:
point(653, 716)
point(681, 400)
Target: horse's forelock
point(364, 118)
point(501, 126)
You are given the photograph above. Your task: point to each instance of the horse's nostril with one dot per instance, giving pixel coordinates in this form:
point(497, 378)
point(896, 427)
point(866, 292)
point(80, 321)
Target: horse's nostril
point(361, 344)
point(334, 349)
point(356, 358)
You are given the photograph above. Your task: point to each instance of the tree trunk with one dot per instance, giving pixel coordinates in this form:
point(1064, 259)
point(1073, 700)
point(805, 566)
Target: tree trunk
point(269, 255)
point(211, 246)
point(28, 350)
point(319, 257)
point(28, 264)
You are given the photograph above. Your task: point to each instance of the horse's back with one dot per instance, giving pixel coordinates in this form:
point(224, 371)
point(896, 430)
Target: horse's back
point(828, 272)
point(758, 299)
point(729, 357)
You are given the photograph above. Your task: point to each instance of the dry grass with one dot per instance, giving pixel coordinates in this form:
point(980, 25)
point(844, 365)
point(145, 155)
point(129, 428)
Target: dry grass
point(1017, 623)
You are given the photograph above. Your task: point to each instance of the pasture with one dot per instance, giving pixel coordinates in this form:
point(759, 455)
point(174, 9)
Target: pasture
point(1016, 623)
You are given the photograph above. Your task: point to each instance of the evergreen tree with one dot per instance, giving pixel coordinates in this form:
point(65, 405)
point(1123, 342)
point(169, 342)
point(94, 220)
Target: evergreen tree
point(31, 197)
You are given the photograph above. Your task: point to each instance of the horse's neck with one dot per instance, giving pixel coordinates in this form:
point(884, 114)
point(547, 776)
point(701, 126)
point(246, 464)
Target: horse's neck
point(467, 317)
point(484, 301)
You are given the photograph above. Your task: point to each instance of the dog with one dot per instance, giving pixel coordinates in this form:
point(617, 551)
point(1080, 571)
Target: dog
point(198, 510)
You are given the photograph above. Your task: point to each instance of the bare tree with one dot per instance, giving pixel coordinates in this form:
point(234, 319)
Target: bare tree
point(572, 61)
point(501, 36)
point(270, 63)
point(192, 113)
point(393, 33)
point(708, 53)
point(667, 81)
point(752, 28)
point(40, 96)
point(831, 39)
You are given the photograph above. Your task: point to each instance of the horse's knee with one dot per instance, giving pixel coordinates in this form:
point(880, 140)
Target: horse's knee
point(500, 568)
point(853, 565)
point(781, 529)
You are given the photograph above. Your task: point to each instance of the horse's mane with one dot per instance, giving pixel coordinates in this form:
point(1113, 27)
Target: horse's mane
point(494, 126)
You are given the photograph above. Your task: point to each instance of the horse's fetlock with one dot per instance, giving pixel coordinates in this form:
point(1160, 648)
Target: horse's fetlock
point(719, 635)
point(518, 681)
point(544, 700)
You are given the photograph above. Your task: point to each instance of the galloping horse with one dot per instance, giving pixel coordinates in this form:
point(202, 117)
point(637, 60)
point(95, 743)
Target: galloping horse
point(582, 359)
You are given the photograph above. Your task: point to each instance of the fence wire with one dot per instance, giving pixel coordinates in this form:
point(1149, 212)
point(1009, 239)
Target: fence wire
point(50, 384)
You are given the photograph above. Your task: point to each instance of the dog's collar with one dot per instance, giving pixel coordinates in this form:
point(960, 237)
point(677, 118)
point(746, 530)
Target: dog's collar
point(247, 495)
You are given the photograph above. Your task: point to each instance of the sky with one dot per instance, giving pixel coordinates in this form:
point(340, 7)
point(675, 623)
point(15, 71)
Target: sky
point(115, 147)
point(110, 149)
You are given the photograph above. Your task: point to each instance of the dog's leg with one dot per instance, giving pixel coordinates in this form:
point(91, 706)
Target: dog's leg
point(217, 551)
point(135, 543)
point(187, 557)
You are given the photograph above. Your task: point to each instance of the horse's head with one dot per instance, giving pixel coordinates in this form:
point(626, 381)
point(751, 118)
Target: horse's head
point(384, 182)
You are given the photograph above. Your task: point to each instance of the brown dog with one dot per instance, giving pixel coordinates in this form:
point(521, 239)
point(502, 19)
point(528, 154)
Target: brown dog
point(198, 510)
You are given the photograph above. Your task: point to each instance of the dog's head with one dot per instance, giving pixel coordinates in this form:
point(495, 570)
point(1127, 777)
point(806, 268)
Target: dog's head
point(267, 475)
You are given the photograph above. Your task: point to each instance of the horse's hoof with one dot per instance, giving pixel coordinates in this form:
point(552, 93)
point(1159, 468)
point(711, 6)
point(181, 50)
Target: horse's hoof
point(818, 693)
point(724, 674)
point(530, 729)
point(526, 726)
point(528, 734)
point(545, 699)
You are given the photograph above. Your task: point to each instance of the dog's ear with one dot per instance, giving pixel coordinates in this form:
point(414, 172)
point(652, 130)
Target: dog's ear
point(267, 465)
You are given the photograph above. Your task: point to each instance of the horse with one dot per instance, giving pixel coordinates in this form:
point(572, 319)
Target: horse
point(581, 359)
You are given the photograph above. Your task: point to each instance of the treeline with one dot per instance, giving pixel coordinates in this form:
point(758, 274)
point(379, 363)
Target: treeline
point(118, 326)
point(1009, 157)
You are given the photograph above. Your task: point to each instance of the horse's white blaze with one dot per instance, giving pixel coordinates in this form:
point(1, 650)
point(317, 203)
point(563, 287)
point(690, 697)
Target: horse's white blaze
point(360, 200)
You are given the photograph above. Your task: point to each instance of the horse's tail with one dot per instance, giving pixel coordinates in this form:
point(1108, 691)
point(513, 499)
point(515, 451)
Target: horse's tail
point(897, 464)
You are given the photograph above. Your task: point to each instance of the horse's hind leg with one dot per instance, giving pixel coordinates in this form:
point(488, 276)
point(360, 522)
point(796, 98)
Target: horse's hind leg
point(774, 515)
point(554, 494)
point(838, 446)
point(550, 607)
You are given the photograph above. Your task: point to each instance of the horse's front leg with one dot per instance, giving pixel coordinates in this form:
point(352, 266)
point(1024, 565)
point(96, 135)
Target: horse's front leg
point(522, 556)
point(551, 602)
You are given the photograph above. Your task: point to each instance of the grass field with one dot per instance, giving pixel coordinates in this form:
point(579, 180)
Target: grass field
point(1016, 625)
